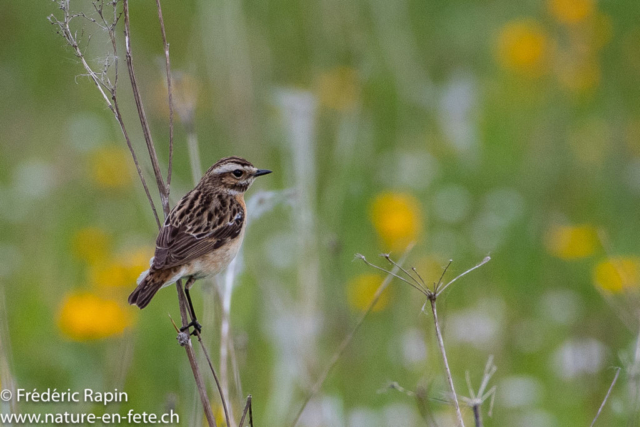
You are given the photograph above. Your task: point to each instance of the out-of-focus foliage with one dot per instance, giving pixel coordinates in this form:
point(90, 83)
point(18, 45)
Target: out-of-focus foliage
point(502, 128)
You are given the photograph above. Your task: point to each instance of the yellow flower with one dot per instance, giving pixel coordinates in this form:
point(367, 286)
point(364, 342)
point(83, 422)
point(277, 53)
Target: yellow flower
point(571, 242)
point(397, 219)
point(523, 47)
point(109, 167)
point(571, 11)
point(91, 244)
point(361, 290)
point(339, 88)
point(123, 271)
point(85, 316)
point(617, 274)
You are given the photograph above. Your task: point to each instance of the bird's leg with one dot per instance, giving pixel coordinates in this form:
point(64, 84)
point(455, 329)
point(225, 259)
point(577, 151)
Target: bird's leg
point(194, 321)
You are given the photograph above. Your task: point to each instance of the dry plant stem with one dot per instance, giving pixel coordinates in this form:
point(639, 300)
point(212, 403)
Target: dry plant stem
point(116, 108)
point(104, 85)
point(418, 283)
point(225, 327)
point(483, 262)
point(347, 340)
point(477, 416)
point(247, 408)
point(215, 377)
point(169, 91)
point(163, 190)
point(135, 160)
point(446, 362)
point(418, 288)
point(475, 401)
point(164, 197)
point(604, 402)
point(102, 82)
point(182, 299)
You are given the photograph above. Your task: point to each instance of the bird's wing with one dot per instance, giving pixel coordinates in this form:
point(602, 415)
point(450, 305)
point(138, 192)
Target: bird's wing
point(200, 223)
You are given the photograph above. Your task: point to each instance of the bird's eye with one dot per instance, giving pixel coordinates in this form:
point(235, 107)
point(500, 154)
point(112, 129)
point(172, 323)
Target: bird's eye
point(237, 173)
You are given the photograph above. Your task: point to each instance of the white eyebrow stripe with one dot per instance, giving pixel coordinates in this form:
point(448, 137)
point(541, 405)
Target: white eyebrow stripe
point(229, 167)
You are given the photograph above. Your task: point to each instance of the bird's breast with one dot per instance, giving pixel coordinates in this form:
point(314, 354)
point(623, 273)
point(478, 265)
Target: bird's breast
point(214, 262)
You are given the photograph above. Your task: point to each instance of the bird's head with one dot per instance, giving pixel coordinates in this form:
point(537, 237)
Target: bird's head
point(234, 174)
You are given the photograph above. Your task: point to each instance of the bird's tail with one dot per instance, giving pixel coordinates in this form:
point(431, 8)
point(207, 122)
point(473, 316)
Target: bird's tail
point(148, 285)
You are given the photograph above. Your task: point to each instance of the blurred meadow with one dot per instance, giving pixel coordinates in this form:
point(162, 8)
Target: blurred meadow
point(509, 129)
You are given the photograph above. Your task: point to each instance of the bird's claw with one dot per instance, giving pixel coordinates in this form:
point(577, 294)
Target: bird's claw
point(196, 327)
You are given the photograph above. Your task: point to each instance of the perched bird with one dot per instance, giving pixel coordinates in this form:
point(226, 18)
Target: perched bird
point(202, 233)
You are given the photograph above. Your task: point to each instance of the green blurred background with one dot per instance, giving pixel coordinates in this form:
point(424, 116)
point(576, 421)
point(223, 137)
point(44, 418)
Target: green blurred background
point(473, 128)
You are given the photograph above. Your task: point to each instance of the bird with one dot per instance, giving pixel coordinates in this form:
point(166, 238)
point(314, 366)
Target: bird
point(202, 234)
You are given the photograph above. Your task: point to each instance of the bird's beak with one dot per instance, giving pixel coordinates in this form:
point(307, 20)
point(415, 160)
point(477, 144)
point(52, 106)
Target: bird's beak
point(261, 172)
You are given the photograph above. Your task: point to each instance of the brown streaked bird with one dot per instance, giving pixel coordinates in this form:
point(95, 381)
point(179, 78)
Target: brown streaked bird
point(202, 233)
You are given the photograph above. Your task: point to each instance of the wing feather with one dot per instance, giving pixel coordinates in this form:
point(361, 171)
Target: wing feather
point(198, 224)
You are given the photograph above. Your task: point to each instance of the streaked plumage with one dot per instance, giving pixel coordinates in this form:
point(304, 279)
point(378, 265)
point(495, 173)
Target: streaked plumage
point(203, 232)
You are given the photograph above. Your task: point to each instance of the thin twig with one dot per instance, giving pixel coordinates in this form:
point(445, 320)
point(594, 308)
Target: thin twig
point(164, 196)
point(215, 377)
point(162, 189)
point(102, 81)
point(475, 400)
point(424, 284)
point(477, 417)
point(105, 86)
point(347, 340)
point(393, 274)
point(135, 160)
point(613, 383)
point(225, 326)
point(443, 353)
point(416, 281)
point(483, 262)
point(182, 302)
point(247, 407)
point(467, 377)
point(489, 370)
point(110, 26)
point(395, 386)
point(169, 91)
point(432, 296)
point(444, 271)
